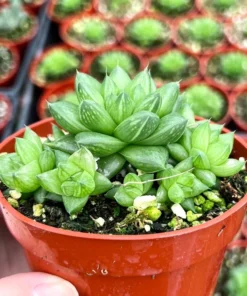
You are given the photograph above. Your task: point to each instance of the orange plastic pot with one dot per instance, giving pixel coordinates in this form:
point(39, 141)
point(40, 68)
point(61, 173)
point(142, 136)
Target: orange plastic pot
point(184, 82)
point(49, 93)
point(204, 52)
point(233, 100)
point(8, 112)
point(181, 263)
point(8, 78)
point(23, 41)
point(35, 63)
point(153, 50)
point(227, 117)
point(65, 27)
point(51, 12)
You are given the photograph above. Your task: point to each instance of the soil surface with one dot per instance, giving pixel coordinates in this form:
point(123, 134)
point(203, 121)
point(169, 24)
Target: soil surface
point(232, 189)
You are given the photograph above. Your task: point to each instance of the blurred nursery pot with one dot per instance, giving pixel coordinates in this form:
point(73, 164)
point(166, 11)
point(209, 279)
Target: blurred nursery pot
point(64, 91)
point(55, 66)
point(33, 5)
point(209, 101)
point(150, 264)
point(226, 70)
point(199, 34)
point(175, 65)
point(9, 64)
point(121, 11)
point(147, 33)
point(238, 108)
point(5, 111)
point(18, 25)
point(59, 10)
point(174, 8)
point(89, 33)
point(107, 60)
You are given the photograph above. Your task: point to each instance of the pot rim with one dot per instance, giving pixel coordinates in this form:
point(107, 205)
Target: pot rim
point(4, 204)
point(8, 115)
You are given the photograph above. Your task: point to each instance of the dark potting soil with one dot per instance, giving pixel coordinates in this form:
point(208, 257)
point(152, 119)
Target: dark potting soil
point(241, 107)
point(232, 189)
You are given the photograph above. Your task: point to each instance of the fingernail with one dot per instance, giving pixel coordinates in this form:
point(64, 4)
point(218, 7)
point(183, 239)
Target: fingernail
point(55, 289)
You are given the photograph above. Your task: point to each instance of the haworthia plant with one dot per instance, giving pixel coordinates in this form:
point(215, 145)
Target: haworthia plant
point(124, 130)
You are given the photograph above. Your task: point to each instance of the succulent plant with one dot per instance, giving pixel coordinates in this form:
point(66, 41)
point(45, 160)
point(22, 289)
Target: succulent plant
point(206, 101)
point(58, 64)
point(238, 32)
point(147, 32)
point(92, 31)
point(200, 33)
point(129, 127)
point(65, 8)
point(121, 8)
point(15, 22)
point(228, 67)
point(241, 106)
point(172, 7)
point(6, 61)
point(107, 61)
point(237, 283)
point(174, 65)
point(227, 7)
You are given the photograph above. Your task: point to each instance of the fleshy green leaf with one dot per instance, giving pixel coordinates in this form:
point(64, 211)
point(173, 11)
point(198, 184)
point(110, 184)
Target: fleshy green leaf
point(177, 151)
point(133, 190)
point(47, 160)
point(176, 194)
point(61, 157)
point(111, 165)
point(66, 144)
point(145, 80)
point(200, 159)
point(146, 186)
point(100, 145)
point(119, 107)
point(96, 118)
point(67, 169)
point(229, 168)
point(162, 195)
point(137, 127)
point(120, 77)
point(26, 150)
point(79, 185)
point(123, 198)
point(74, 205)
point(218, 153)
point(151, 103)
point(169, 95)
point(186, 179)
point(109, 87)
point(170, 176)
point(227, 138)
point(206, 177)
point(102, 184)
point(86, 92)
point(185, 140)
point(50, 181)
point(201, 136)
point(82, 78)
point(184, 165)
point(149, 160)
point(32, 137)
point(66, 115)
point(57, 132)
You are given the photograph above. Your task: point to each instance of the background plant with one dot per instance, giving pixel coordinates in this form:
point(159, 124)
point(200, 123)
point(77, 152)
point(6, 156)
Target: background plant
point(58, 64)
point(6, 61)
point(174, 65)
point(241, 106)
point(92, 31)
point(64, 8)
point(147, 32)
point(173, 7)
point(201, 32)
point(15, 22)
point(230, 67)
point(206, 101)
point(107, 61)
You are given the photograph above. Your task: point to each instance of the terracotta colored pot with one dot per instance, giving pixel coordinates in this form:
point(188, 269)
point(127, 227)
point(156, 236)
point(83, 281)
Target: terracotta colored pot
point(39, 58)
point(227, 87)
point(185, 82)
point(23, 41)
point(143, 62)
point(192, 11)
point(204, 52)
point(233, 99)
point(99, 8)
point(35, 6)
point(6, 118)
point(82, 46)
point(181, 263)
point(54, 18)
point(227, 117)
point(8, 78)
point(47, 94)
point(153, 50)
point(239, 243)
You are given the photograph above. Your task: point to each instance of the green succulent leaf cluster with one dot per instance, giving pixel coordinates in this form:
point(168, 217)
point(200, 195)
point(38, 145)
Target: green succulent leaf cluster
point(125, 140)
point(172, 7)
point(65, 8)
point(92, 31)
point(15, 22)
point(201, 33)
point(224, 6)
point(147, 32)
point(58, 64)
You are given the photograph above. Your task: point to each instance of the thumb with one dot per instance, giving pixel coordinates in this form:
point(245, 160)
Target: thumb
point(36, 284)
